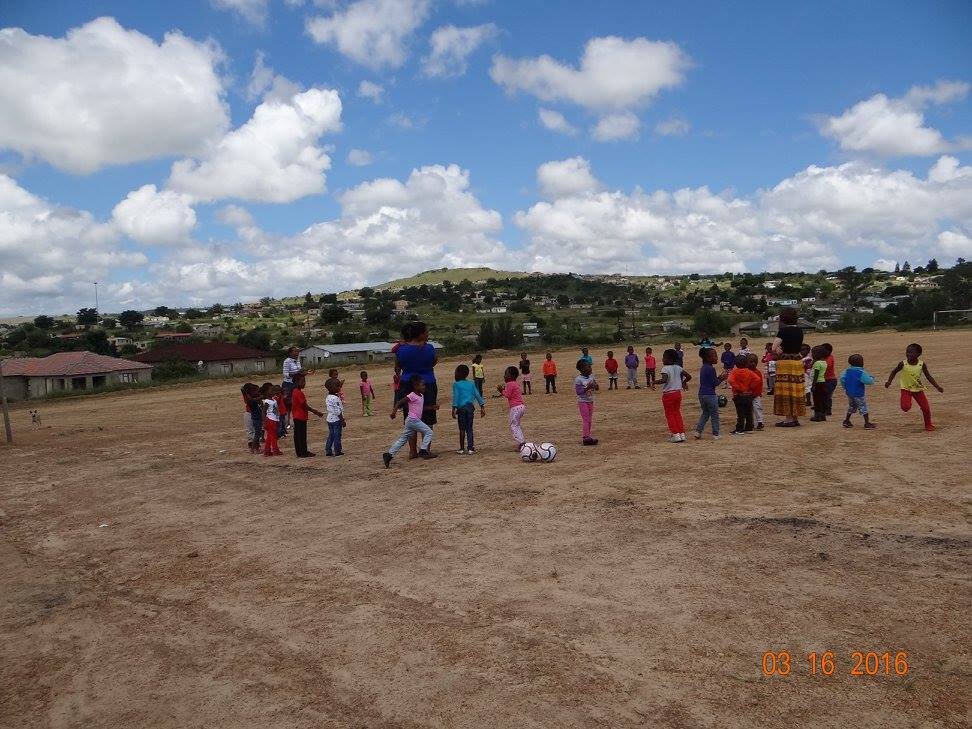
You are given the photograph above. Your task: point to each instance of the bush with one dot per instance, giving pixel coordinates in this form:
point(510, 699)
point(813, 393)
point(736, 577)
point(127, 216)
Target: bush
point(711, 322)
point(172, 369)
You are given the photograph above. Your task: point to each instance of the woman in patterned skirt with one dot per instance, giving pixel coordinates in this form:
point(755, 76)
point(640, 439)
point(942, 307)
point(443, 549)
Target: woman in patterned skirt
point(788, 396)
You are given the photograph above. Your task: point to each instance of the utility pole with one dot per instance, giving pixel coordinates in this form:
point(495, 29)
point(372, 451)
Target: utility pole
point(3, 406)
point(96, 295)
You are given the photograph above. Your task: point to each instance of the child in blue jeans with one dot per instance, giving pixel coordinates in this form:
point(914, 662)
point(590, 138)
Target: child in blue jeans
point(414, 404)
point(855, 379)
point(465, 395)
point(335, 417)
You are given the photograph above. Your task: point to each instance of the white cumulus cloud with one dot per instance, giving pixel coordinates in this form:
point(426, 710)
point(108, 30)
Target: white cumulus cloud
point(155, 217)
point(370, 90)
point(252, 11)
point(614, 73)
point(360, 157)
point(273, 157)
point(451, 48)
point(896, 127)
point(103, 95)
point(565, 178)
point(50, 255)
point(612, 127)
point(374, 33)
point(555, 121)
point(672, 128)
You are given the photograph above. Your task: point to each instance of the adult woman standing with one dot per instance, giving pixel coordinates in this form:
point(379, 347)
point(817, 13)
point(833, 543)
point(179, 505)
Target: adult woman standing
point(788, 396)
point(417, 357)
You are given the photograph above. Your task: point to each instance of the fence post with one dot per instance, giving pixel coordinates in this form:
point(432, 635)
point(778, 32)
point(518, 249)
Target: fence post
point(3, 406)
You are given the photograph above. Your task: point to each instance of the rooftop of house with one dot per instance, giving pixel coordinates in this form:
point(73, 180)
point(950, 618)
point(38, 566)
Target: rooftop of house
point(69, 364)
point(201, 352)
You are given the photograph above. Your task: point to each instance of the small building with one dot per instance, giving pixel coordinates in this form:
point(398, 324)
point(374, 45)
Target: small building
point(205, 329)
point(529, 326)
point(319, 355)
point(155, 321)
point(173, 337)
point(28, 378)
point(120, 342)
point(213, 358)
point(401, 306)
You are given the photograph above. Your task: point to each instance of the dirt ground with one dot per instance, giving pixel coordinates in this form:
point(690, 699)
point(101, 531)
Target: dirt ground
point(154, 574)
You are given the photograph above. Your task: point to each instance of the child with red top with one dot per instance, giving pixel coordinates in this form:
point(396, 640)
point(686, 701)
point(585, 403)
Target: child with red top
point(299, 410)
point(755, 389)
point(511, 391)
point(271, 421)
point(830, 376)
point(649, 368)
point(741, 381)
point(611, 365)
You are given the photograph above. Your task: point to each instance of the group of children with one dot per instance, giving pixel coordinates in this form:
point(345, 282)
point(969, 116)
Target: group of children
point(266, 410)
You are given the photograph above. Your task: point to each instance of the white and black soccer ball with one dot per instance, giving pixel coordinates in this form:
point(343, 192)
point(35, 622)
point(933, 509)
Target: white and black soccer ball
point(546, 452)
point(528, 452)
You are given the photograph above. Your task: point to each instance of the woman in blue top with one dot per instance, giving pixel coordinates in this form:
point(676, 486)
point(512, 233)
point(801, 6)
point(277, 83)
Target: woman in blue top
point(417, 357)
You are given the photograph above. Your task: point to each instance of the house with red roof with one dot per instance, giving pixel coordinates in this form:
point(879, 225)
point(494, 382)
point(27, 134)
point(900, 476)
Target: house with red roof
point(213, 358)
point(26, 378)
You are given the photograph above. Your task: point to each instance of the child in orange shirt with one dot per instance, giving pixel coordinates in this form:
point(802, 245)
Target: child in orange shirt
point(741, 381)
point(550, 374)
point(756, 389)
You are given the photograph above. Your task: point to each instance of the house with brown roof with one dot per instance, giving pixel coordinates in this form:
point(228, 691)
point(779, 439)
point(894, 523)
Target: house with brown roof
point(213, 358)
point(26, 378)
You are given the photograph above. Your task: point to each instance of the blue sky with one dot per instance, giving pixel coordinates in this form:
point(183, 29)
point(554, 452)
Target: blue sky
point(746, 98)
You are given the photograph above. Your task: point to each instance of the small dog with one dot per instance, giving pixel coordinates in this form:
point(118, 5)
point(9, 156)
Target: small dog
point(35, 418)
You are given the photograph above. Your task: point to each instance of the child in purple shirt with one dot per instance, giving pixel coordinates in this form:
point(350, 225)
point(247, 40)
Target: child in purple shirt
point(631, 361)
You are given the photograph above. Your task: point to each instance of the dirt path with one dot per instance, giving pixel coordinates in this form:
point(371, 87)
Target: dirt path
point(635, 584)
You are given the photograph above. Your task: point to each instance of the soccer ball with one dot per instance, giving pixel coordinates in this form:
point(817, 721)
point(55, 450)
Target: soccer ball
point(547, 452)
point(528, 452)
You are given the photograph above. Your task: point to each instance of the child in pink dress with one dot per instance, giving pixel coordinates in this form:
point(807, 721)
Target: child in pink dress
point(511, 391)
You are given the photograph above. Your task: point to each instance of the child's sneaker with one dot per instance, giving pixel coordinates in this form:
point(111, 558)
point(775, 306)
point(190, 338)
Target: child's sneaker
point(848, 424)
point(697, 435)
point(929, 428)
point(461, 452)
point(471, 452)
point(589, 441)
point(716, 437)
point(673, 438)
point(759, 426)
point(424, 454)
point(870, 426)
point(385, 457)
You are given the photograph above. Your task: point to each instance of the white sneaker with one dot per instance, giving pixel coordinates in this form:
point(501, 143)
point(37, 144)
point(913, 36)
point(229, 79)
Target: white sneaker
point(681, 437)
point(461, 451)
point(471, 452)
point(673, 438)
point(697, 435)
point(716, 437)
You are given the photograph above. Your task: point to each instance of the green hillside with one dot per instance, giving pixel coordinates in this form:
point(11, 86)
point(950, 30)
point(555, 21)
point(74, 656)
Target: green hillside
point(453, 275)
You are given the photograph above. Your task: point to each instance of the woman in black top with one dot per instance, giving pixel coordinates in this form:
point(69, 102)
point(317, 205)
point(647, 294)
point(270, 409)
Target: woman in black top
point(788, 394)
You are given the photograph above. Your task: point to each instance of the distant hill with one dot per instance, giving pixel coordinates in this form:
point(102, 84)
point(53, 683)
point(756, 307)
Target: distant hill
point(452, 275)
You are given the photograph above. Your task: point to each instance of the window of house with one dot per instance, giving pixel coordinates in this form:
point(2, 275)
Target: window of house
point(127, 377)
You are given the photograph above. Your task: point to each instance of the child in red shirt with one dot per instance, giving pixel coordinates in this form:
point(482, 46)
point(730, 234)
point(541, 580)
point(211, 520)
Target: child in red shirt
point(741, 381)
point(830, 376)
point(649, 368)
point(299, 409)
point(756, 390)
point(611, 365)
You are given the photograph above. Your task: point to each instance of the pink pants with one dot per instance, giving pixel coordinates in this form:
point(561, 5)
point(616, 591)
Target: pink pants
point(516, 415)
point(587, 415)
point(922, 399)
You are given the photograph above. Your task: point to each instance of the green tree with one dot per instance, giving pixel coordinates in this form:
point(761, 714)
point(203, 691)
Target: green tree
point(333, 314)
point(710, 322)
point(131, 319)
point(87, 317)
point(258, 338)
point(43, 322)
point(932, 266)
point(109, 322)
point(163, 311)
point(193, 314)
point(327, 299)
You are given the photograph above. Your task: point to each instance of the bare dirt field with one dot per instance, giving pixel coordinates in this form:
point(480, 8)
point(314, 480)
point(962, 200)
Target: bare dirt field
point(154, 574)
